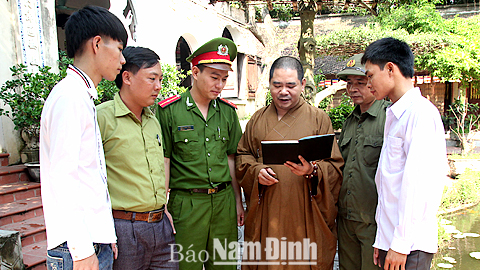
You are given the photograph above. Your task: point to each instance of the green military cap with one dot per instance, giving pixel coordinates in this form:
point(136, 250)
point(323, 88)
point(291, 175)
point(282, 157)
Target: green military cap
point(216, 51)
point(354, 67)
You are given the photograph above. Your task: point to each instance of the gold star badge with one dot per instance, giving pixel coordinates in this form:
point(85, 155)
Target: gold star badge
point(351, 63)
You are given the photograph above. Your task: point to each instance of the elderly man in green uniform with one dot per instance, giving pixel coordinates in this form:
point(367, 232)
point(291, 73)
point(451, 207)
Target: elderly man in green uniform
point(360, 143)
point(201, 132)
point(131, 137)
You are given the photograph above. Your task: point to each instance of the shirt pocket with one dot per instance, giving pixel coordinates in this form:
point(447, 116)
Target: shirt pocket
point(187, 146)
point(345, 146)
point(395, 155)
point(371, 150)
point(155, 148)
point(222, 140)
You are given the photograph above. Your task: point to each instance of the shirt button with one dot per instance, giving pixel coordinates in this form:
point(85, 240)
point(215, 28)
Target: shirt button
point(348, 192)
point(186, 140)
point(348, 216)
point(146, 150)
point(206, 125)
point(207, 139)
point(349, 211)
point(359, 125)
point(208, 154)
point(224, 138)
point(209, 169)
point(356, 141)
point(350, 175)
point(353, 158)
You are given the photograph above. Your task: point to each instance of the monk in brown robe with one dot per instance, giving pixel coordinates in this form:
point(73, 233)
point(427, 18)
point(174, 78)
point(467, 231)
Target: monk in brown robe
point(289, 202)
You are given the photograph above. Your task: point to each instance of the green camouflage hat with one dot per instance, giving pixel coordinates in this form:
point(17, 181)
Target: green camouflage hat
point(354, 67)
point(215, 51)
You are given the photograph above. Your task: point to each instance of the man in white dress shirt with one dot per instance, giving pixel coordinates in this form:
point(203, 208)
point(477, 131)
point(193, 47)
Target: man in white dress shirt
point(412, 163)
point(76, 203)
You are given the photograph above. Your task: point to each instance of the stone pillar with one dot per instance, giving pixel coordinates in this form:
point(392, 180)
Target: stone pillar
point(37, 33)
point(11, 250)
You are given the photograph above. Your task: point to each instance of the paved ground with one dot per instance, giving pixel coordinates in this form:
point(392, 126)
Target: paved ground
point(457, 150)
point(240, 241)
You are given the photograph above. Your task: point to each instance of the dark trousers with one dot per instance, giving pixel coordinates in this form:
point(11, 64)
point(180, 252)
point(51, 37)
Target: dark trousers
point(355, 240)
point(416, 260)
point(143, 245)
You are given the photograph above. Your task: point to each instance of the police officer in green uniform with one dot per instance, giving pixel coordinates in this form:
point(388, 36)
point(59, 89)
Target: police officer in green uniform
point(201, 132)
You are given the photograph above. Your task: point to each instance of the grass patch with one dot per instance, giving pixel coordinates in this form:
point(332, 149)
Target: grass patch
point(463, 190)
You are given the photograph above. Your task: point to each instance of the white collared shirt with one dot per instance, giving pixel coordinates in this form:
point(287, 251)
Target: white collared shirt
point(76, 203)
point(410, 176)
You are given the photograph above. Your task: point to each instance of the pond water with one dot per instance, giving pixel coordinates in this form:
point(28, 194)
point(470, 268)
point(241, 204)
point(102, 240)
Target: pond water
point(457, 254)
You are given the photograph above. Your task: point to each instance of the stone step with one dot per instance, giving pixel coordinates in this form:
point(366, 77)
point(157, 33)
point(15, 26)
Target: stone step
point(4, 159)
point(31, 230)
point(13, 174)
point(34, 255)
point(19, 191)
point(20, 210)
point(41, 266)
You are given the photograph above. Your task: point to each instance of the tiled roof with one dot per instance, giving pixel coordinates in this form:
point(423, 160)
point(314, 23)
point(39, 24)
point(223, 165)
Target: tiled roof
point(329, 65)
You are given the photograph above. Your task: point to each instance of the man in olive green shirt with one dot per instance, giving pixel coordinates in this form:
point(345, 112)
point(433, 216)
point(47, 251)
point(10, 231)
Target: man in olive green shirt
point(201, 133)
point(360, 143)
point(131, 137)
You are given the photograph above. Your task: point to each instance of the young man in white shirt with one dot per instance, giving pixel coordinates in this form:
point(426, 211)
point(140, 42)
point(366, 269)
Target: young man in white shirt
point(412, 162)
point(76, 203)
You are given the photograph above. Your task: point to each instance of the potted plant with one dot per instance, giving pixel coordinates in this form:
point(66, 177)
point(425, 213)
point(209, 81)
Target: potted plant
point(465, 124)
point(25, 95)
point(465, 118)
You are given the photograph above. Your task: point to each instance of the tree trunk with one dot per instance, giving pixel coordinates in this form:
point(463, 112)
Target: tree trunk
point(306, 49)
point(266, 33)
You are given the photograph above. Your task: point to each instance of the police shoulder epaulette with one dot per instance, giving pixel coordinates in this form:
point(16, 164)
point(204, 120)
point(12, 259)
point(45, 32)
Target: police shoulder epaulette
point(164, 103)
point(228, 103)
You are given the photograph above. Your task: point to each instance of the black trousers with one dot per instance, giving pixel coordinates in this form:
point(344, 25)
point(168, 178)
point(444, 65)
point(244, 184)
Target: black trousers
point(416, 260)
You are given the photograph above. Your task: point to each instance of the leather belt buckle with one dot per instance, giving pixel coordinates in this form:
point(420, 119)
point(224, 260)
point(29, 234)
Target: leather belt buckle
point(155, 216)
point(213, 190)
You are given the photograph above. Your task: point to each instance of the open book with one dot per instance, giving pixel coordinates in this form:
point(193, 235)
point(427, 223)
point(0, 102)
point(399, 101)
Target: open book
point(311, 148)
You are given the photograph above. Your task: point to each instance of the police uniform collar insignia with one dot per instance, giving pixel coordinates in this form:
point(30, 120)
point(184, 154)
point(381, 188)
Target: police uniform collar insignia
point(351, 63)
point(188, 102)
point(222, 50)
point(164, 103)
point(229, 103)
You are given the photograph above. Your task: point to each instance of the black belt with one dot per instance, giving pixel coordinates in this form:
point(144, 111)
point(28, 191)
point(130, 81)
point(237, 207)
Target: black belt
point(214, 190)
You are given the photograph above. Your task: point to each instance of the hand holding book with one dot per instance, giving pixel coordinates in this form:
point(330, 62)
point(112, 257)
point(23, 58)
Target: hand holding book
point(305, 168)
point(312, 148)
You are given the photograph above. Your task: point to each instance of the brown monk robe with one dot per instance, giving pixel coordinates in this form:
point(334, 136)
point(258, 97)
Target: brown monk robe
point(286, 209)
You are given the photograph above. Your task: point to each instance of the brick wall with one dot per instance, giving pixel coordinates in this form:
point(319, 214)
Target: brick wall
point(435, 92)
